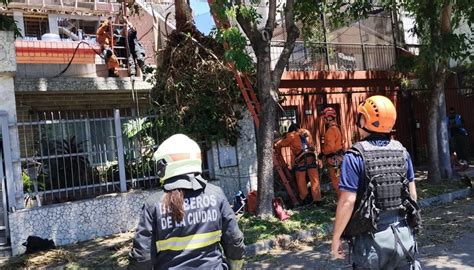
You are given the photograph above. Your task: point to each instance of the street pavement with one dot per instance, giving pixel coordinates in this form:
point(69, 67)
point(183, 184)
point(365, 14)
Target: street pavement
point(446, 242)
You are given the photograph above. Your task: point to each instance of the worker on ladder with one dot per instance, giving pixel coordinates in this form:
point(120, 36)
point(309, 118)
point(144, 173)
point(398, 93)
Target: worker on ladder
point(332, 147)
point(300, 142)
point(105, 39)
point(137, 52)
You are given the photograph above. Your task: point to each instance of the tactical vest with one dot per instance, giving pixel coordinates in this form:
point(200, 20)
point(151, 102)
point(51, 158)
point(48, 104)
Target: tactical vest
point(384, 188)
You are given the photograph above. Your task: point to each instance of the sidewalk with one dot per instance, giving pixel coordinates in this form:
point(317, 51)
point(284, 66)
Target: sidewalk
point(445, 243)
point(111, 252)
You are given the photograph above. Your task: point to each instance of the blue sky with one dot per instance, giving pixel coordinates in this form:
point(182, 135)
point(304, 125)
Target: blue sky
point(202, 16)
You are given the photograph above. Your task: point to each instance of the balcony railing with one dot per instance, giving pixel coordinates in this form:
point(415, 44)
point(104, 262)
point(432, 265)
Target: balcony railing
point(91, 6)
point(335, 56)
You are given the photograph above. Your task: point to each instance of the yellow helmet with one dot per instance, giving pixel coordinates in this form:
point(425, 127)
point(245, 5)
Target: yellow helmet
point(379, 114)
point(177, 155)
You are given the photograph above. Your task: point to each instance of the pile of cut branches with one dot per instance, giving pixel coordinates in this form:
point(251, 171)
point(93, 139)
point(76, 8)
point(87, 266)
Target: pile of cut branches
point(195, 92)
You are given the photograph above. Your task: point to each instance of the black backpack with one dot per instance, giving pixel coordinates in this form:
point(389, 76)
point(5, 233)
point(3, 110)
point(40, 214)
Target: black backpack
point(35, 244)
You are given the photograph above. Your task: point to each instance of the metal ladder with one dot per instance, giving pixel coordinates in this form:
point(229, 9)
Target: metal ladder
point(124, 61)
point(253, 105)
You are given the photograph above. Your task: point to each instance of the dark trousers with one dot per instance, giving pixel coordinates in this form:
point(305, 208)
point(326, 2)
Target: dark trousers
point(381, 250)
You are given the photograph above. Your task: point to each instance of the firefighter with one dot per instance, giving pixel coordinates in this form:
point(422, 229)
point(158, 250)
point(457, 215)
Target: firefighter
point(105, 40)
point(377, 209)
point(300, 142)
point(137, 52)
point(333, 146)
point(190, 224)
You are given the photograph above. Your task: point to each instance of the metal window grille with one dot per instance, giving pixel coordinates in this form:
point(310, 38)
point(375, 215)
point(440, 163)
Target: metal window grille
point(71, 155)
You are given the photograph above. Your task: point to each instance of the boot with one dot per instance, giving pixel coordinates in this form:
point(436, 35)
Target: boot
point(279, 211)
point(113, 73)
point(308, 200)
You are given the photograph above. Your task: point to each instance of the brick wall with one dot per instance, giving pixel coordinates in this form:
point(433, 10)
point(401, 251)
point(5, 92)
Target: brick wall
point(144, 24)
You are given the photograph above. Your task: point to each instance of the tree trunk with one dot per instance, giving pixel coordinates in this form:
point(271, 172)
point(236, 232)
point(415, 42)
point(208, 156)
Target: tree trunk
point(443, 140)
point(183, 14)
point(265, 133)
point(437, 130)
point(434, 174)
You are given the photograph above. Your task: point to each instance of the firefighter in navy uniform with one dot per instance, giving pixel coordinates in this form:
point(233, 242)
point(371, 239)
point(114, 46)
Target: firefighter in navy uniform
point(190, 224)
point(377, 209)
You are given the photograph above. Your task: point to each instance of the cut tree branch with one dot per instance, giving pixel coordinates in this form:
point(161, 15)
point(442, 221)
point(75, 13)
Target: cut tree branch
point(293, 34)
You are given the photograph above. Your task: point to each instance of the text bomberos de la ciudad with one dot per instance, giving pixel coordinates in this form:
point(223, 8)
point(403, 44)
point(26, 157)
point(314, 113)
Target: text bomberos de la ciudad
point(199, 209)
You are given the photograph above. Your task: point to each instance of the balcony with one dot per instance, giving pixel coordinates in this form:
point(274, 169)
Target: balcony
point(49, 58)
point(91, 6)
point(337, 57)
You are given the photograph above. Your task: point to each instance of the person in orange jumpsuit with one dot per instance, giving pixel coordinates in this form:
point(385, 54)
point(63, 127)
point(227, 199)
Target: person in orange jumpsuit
point(333, 146)
point(104, 38)
point(301, 144)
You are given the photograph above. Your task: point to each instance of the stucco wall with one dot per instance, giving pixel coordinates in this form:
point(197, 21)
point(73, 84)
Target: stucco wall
point(244, 175)
point(78, 84)
point(7, 104)
point(78, 221)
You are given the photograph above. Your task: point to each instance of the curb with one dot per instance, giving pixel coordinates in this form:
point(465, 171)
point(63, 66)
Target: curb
point(446, 198)
point(326, 228)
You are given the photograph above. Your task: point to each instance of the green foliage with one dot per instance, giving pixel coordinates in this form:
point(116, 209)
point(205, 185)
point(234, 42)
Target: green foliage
point(27, 183)
point(236, 52)
point(7, 23)
point(250, 13)
point(195, 92)
point(435, 44)
point(135, 126)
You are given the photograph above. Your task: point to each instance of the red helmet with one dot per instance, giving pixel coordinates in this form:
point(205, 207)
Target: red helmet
point(329, 112)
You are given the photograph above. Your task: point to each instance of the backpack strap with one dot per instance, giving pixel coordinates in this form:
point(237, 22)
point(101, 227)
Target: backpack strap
point(304, 142)
point(411, 258)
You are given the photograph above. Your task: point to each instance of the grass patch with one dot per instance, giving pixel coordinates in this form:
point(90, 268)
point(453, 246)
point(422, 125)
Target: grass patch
point(427, 189)
point(303, 218)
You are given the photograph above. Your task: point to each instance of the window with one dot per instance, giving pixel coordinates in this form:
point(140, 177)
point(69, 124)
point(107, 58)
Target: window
point(286, 118)
point(35, 27)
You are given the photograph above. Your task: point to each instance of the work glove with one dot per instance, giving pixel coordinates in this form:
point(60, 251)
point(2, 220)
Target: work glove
point(236, 264)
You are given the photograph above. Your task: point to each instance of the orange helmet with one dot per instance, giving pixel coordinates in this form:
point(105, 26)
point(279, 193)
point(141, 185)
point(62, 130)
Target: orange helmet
point(329, 112)
point(379, 114)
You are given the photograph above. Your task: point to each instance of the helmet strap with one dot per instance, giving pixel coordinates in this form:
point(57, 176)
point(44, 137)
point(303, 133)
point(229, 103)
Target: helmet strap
point(359, 117)
point(161, 167)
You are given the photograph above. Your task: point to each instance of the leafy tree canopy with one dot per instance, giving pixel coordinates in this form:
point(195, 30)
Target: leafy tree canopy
point(7, 23)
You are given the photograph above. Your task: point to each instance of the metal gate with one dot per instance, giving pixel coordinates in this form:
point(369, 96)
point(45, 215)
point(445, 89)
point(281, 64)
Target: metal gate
point(6, 173)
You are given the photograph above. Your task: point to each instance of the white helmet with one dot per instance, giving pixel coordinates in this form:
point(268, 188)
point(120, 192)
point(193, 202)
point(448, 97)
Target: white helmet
point(177, 155)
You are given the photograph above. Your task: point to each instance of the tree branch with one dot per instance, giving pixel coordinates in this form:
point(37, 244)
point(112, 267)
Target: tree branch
point(446, 14)
point(293, 34)
point(250, 30)
point(270, 25)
